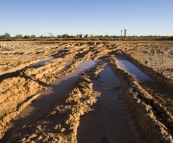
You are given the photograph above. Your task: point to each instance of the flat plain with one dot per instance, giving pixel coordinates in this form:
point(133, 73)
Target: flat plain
point(86, 92)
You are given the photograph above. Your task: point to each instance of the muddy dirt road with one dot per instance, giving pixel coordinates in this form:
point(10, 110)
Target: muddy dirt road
point(86, 92)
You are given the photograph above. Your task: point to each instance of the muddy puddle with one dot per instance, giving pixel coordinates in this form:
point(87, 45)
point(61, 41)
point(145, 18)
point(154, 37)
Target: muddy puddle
point(43, 62)
point(46, 100)
point(109, 120)
point(132, 70)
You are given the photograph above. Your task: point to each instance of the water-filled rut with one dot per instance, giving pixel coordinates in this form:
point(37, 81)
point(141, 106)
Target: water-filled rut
point(93, 109)
point(109, 120)
point(152, 94)
point(40, 63)
point(133, 70)
point(46, 100)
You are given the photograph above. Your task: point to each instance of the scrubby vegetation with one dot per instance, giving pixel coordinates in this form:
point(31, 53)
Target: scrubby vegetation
point(66, 37)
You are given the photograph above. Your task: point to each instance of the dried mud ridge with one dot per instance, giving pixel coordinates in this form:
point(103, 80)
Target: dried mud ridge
point(21, 82)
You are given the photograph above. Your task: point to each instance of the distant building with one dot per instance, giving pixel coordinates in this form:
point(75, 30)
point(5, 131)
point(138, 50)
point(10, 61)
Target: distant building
point(125, 30)
point(91, 35)
point(80, 36)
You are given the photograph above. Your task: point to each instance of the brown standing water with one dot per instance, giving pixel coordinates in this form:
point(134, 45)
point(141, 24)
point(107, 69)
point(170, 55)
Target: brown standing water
point(42, 62)
point(109, 121)
point(46, 100)
point(133, 70)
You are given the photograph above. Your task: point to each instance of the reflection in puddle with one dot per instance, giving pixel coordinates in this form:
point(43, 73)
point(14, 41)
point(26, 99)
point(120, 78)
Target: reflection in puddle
point(109, 120)
point(109, 79)
point(42, 62)
point(133, 70)
point(47, 99)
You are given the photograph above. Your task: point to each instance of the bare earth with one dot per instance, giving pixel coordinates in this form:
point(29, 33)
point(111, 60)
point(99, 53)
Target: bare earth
point(104, 103)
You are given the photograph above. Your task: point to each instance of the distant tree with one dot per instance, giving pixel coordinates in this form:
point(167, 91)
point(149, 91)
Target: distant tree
point(18, 36)
point(26, 37)
point(65, 35)
point(45, 37)
point(1, 37)
point(114, 36)
point(33, 36)
point(58, 36)
point(106, 36)
point(6, 36)
point(170, 38)
point(41, 36)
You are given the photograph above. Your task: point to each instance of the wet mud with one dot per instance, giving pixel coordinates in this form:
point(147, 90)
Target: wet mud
point(47, 98)
point(86, 92)
point(109, 120)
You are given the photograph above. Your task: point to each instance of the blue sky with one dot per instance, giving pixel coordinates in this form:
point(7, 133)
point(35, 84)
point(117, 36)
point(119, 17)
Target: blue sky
point(99, 17)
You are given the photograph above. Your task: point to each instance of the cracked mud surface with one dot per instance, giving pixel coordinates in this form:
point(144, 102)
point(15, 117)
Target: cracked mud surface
point(91, 108)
